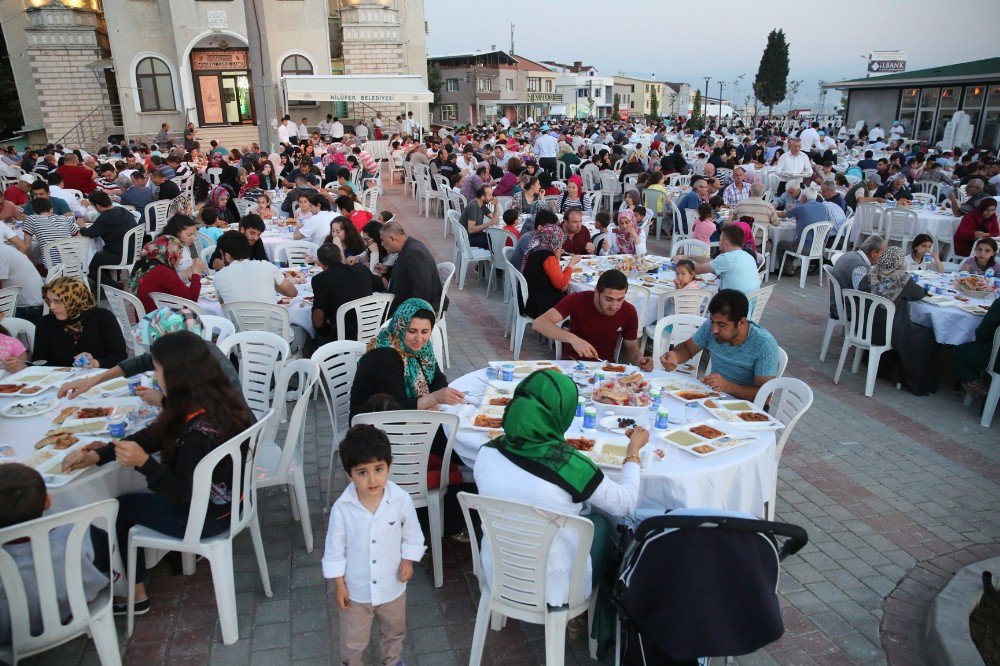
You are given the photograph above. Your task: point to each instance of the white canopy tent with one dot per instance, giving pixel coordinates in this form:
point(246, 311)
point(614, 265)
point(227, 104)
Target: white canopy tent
point(360, 89)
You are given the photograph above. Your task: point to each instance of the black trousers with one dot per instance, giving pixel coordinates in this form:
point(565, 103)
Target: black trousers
point(549, 164)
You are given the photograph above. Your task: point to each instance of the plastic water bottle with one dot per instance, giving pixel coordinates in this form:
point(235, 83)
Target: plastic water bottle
point(988, 274)
point(928, 261)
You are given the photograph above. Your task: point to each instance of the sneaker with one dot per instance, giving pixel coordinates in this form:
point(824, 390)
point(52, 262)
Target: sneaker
point(977, 388)
point(121, 607)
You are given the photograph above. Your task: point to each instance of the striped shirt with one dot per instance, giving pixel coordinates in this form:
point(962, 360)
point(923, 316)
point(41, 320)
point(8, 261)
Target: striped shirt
point(367, 162)
point(47, 228)
point(758, 209)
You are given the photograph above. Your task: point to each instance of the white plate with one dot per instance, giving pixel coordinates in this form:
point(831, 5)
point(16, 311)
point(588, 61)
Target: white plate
point(468, 417)
point(51, 469)
point(682, 438)
point(610, 423)
point(29, 407)
point(605, 454)
point(728, 411)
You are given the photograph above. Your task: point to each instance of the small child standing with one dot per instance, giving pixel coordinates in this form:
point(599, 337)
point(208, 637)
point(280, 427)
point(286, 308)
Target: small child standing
point(510, 218)
point(373, 540)
point(705, 226)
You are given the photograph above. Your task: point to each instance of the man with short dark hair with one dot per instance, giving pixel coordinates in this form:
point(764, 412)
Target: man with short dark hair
point(251, 226)
point(478, 215)
point(166, 190)
point(415, 273)
point(244, 279)
point(111, 225)
point(76, 176)
point(44, 227)
point(597, 320)
point(744, 355)
point(40, 190)
point(736, 267)
point(337, 284)
point(577, 236)
point(138, 195)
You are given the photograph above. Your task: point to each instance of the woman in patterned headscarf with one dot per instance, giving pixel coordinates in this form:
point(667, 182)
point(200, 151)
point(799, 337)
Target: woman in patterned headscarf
point(546, 279)
point(156, 272)
point(532, 463)
point(400, 362)
point(76, 328)
point(912, 360)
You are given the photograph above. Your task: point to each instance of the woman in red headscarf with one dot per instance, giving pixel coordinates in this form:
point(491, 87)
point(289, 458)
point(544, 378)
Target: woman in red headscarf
point(251, 189)
point(980, 222)
point(573, 196)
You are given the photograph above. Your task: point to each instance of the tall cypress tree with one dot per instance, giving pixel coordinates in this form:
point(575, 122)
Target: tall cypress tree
point(11, 120)
point(772, 74)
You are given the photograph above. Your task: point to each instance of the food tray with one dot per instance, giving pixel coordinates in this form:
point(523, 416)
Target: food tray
point(28, 407)
point(75, 419)
point(492, 392)
point(684, 439)
point(48, 462)
point(469, 419)
point(730, 411)
point(524, 368)
point(606, 454)
point(695, 395)
point(941, 300)
point(112, 388)
point(978, 310)
point(35, 380)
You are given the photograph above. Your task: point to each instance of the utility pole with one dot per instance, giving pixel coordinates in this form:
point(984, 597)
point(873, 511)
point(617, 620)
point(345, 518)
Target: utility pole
point(721, 83)
point(704, 113)
point(511, 40)
point(266, 97)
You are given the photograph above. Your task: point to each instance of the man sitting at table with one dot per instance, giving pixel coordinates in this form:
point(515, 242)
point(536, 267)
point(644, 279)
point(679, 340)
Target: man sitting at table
point(974, 189)
point(896, 189)
point(864, 257)
point(339, 283)
point(577, 238)
point(40, 190)
point(481, 213)
point(736, 267)
point(744, 355)
point(791, 197)
point(415, 273)
point(597, 319)
point(251, 226)
point(111, 225)
point(810, 212)
point(245, 279)
point(755, 207)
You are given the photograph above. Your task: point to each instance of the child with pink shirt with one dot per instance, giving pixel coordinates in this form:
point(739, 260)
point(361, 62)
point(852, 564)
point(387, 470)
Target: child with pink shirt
point(705, 226)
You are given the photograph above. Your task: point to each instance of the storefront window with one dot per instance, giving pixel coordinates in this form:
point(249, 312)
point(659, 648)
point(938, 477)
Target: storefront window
point(947, 109)
point(991, 119)
point(972, 104)
point(156, 88)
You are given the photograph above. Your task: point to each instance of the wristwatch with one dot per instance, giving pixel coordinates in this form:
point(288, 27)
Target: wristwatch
point(633, 458)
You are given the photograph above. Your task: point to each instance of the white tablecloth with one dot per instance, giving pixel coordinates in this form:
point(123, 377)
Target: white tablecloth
point(941, 226)
point(783, 232)
point(740, 479)
point(951, 324)
point(299, 310)
point(94, 484)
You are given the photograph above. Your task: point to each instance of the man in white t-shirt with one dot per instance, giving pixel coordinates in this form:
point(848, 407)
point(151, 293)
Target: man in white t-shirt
point(325, 127)
point(302, 131)
point(810, 137)
point(243, 279)
point(287, 132)
point(16, 270)
point(876, 133)
point(337, 131)
point(314, 225)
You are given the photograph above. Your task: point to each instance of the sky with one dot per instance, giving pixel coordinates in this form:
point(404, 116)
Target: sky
point(722, 42)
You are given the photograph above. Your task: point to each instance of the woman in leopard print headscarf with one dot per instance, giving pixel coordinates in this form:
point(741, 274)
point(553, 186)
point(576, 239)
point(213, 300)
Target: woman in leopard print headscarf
point(75, 327)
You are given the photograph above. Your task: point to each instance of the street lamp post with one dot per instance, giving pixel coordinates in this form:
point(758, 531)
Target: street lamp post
point(721, 83)
point(705, 112)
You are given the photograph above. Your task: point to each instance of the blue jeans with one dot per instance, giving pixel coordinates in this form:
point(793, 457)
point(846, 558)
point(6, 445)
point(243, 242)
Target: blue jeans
point(158, 513)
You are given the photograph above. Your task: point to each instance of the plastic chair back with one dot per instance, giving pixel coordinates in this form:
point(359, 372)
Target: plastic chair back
point(128, 310)
point(307, 371)
point(175, 302)
point(22, 329)
point(369, 313)
point(260, 354)
point(156, 213)
point(8, 300)
point(681, 328)
point(254, 316)
point(815, 235)
point(758, 300)
point(446, 272)
point(860, 308)
point(216, 329)
point(338, 361)
point(69, 252)
point(692, 246)
point(51, 577)
point(294, 252)
point(687, 301)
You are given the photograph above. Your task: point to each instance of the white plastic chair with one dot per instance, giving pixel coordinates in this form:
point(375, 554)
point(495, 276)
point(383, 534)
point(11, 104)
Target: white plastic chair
point(815, 234)
point(761, 231)
point(521, 320)
point(868, 218)
point(832, 324)
point(685, 302)
point(218, 550)
point(639, 297)
point(611, 189)
point(294, 252)
point(859, 332)
point(521, 537)
point(261, 355)
point(678, 222)
point(464, 254)
point(8, 300)
point(411, 433)
point(595, 201)
point(175, 302)
point(691, 246)
point(206, 255)
point(254, 316)
point(681, 328)
point(841, 240)
point(213, 175)
point(201, 241)
point(216, 329)
point(131, 251)
point(369, 313)
point(338, 361)
point(92, 618)
point(758, 300)
point(446, 271)
point(70, 253)
point(369, 199)
point(281, 464)
point(22, 329)
point(990, 403)
point(900, 225)
point(128, 310)
point(76, 194)
point(156, 213)
point(789, 400)
point(497, 238)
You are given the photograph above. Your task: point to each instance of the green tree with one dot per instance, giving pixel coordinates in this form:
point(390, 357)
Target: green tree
point(654, 105)
point(434, 84)
point(11, 120)
point(696, 121)
point(772, 75)
point(618, 102)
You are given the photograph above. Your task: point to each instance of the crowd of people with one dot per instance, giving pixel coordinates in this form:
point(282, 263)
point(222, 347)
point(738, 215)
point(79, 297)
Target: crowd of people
point(548, 172)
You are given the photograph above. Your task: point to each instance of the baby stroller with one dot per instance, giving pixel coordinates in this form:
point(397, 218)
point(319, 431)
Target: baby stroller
point(700, 583)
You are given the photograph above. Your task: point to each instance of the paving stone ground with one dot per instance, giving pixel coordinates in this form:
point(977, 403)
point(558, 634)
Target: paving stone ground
point(896, 491)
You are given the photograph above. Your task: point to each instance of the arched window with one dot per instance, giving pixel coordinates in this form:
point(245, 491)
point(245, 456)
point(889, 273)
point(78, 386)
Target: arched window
point(156, 87)
point(296, 64)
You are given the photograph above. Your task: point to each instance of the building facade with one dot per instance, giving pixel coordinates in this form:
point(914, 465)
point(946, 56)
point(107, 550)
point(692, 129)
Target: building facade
point(484, 86)
point(128, 67)
point(638, 95)
point(924, 101)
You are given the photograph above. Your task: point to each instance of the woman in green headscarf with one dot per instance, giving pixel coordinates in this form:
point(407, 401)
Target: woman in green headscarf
point(533, 464)
point(400, 362)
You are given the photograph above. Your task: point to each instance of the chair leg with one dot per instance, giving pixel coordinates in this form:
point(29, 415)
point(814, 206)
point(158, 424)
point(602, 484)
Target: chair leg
point(258, 547)
point(990, 404)
point(857, 360)
point(518, 338)
point(102, 630)
point(831, 325)
point(188, 563)
point(873, 359)
point(220, 556)
point(461, 273)
point(781, 268)
point(434, 518)
point(443, 325)
point(555, 637)
point(130, 597)
point(804, 272)
point(843, 359)
point(479, 633)
point(592, 643)
point(302, 502)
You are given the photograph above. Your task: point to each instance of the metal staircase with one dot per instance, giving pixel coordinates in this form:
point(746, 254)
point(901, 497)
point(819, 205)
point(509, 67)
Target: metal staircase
point(92, 132)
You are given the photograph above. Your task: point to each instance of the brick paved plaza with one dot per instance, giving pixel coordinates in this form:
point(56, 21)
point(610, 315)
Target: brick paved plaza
point(897, 492)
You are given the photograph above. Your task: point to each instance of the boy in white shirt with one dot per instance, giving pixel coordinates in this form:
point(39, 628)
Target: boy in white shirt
point(373, 540)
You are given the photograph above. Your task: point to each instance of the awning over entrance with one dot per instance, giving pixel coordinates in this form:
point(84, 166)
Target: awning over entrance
point(354, 88)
